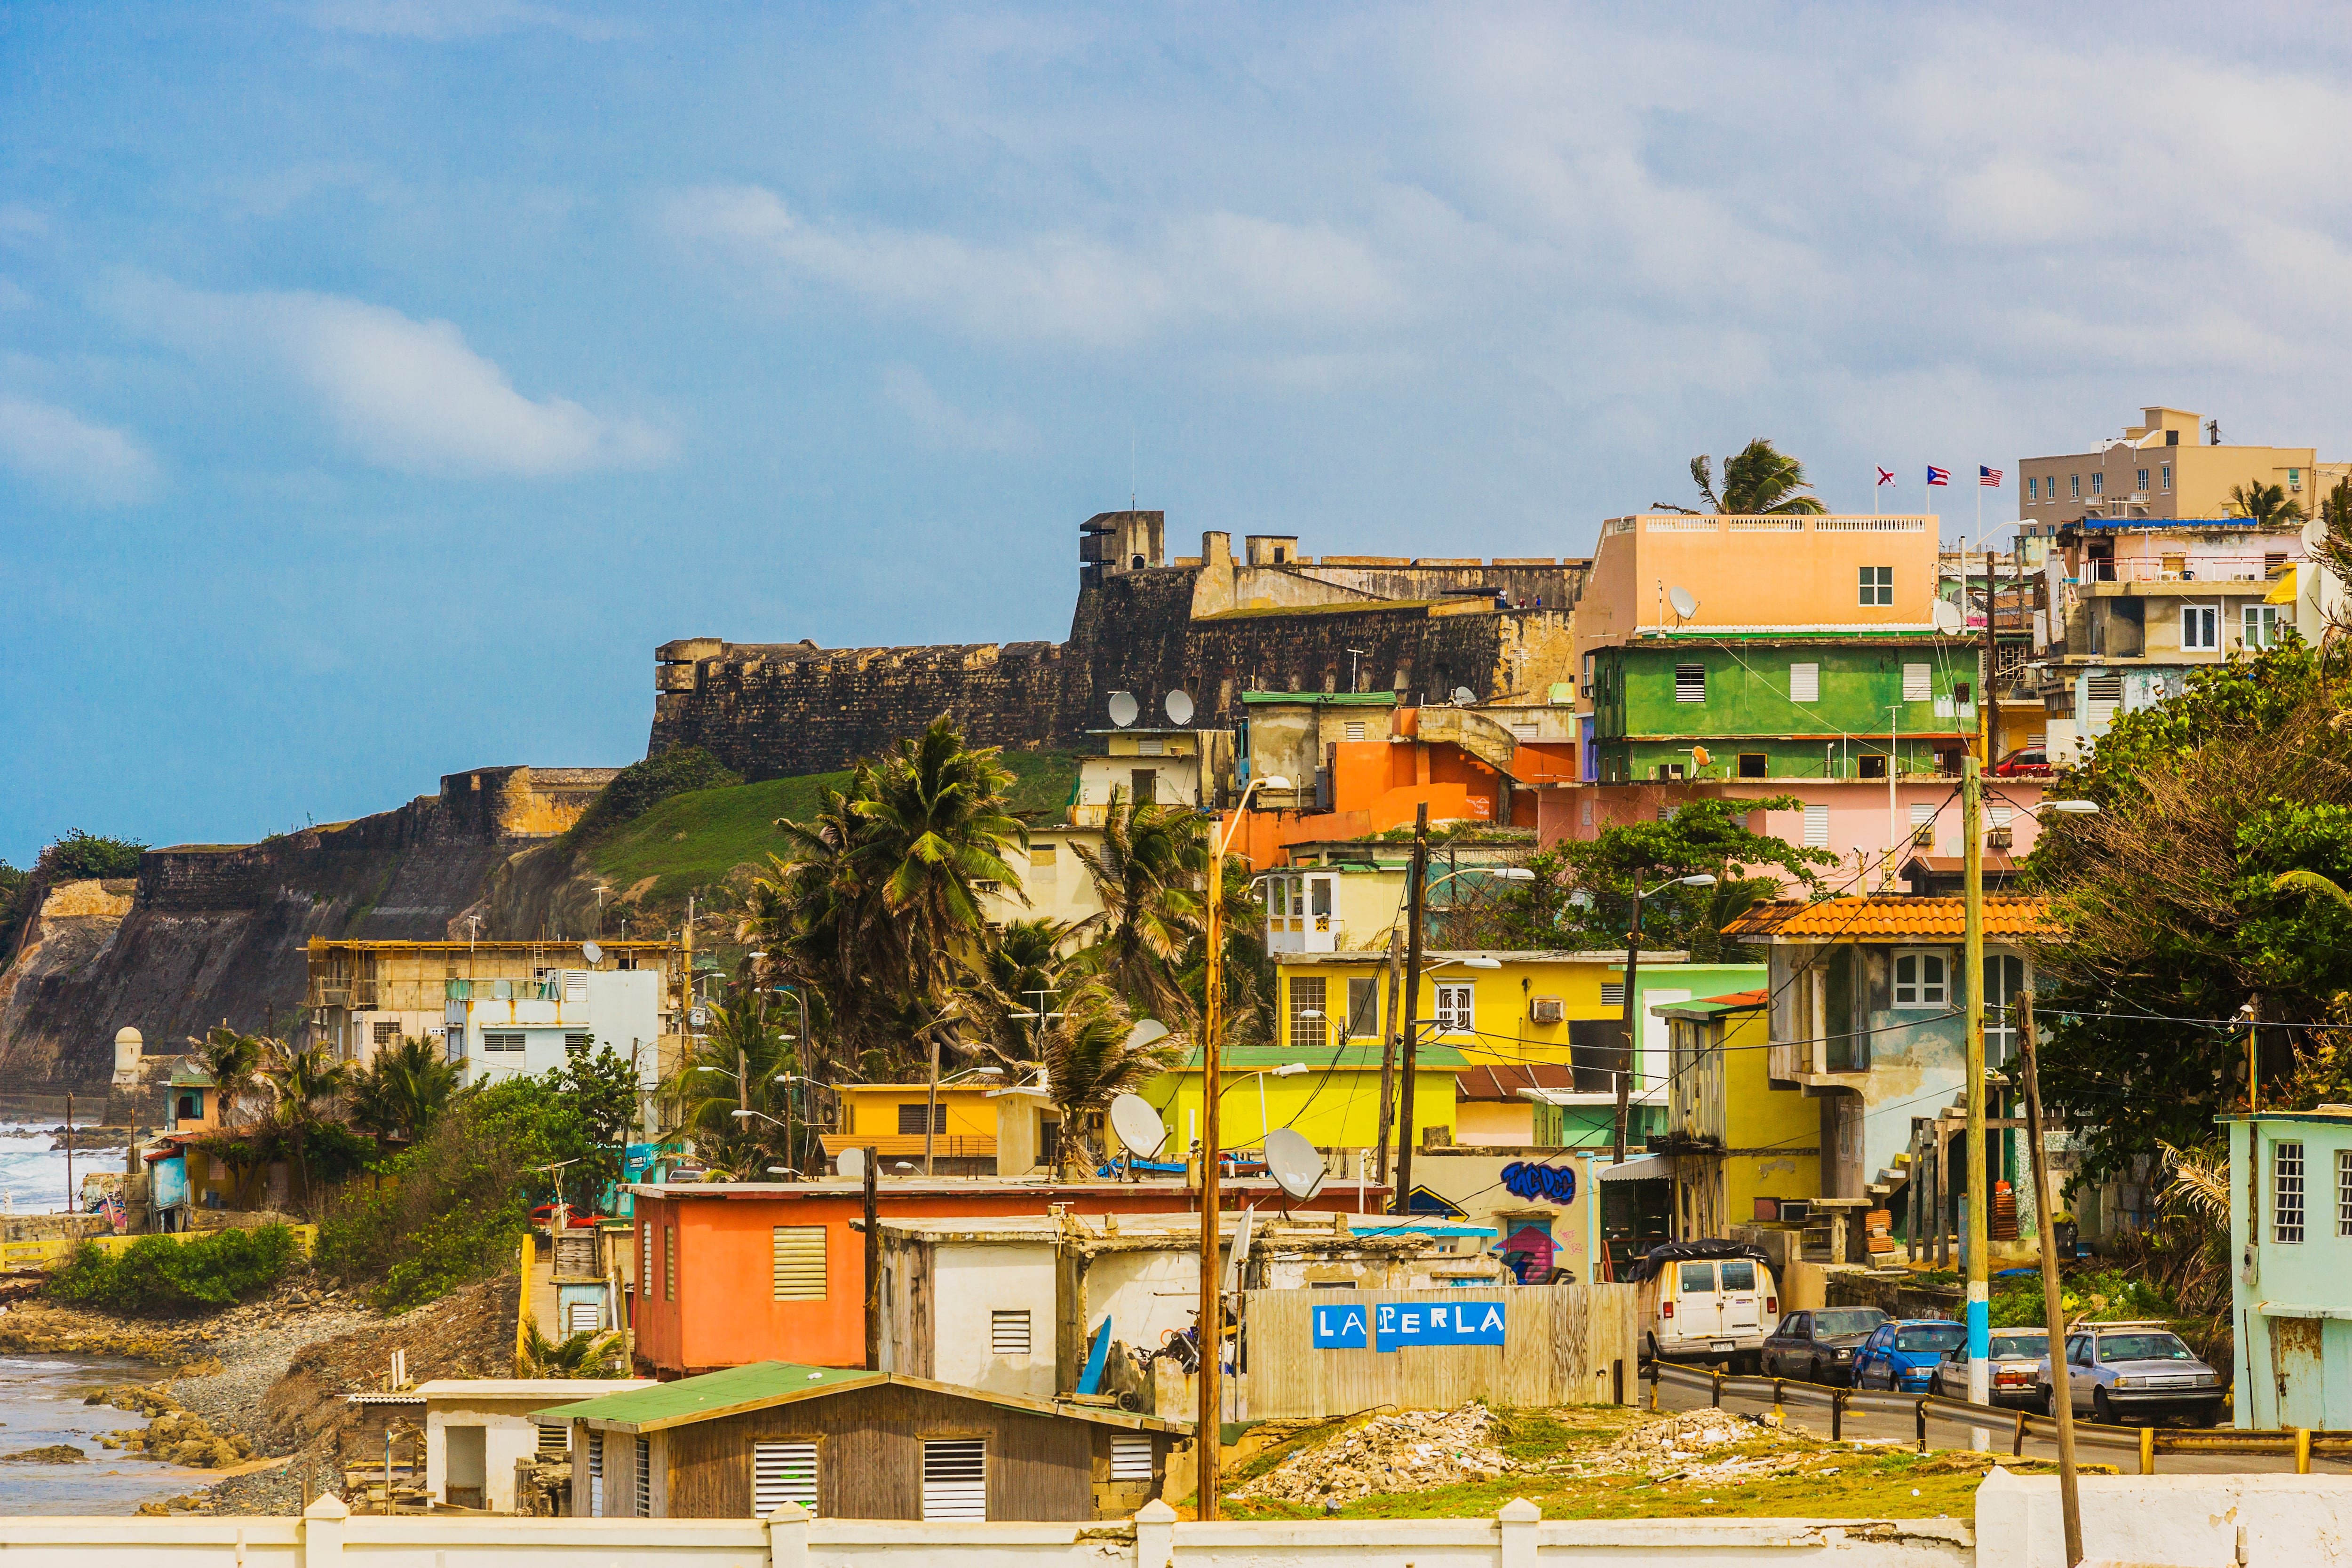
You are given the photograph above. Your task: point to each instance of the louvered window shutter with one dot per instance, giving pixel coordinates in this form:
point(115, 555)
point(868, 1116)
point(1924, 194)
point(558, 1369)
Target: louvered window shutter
point(799, 1262)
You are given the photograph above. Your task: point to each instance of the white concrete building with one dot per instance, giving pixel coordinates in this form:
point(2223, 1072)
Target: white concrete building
point(476, 1428)
point(506, 1027)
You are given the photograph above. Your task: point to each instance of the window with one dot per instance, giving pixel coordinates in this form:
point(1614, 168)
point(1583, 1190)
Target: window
point(1817, 827)
point(1877, 585)
point(782, 1473)
point(1130, 1460)
point(1151, 746)
point(577, 1043)
point(1143, 787)
point(1919, 979)
point(2143, 480)
point(1309, 1023)
point(2098, 484)
point(986, 884)
point(1695, 1277)
point(2074, 486)
point(1690, 683)
point(1355, 729)
point(1008, 1332)
point(2002, 815)
point(645, 1478)
point(2164, 476)
point(1804, 683)
point(1364, 1008)
point(1043, 855)
point(669, 1263)
point(554, 1440)
point(2286, 1192)
point(646, 1265)
point(1612, 994)
point(1453, 1010)
point(2032, 490)
point(910, 1118)
point(583, 1317)
point(2004, 978)
point(955, 1478)
point(596, 1475)
point(1918, 687)
point(387, 1033)
point(796, 1262)
point(2201, 629)
point(502, 1044)
point(1754, 765)
point(1870, 765)
point(2262, 626)
point(2344, 1191)
point(2103, 688)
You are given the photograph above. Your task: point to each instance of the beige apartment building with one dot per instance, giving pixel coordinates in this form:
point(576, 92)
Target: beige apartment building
point(2165, 467)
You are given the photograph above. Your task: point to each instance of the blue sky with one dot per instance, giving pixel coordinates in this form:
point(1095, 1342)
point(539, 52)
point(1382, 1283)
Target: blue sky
point(381, 379)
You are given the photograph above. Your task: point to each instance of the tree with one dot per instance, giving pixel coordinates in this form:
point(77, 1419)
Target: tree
point(2333, 550)
point(1023, 971)
point(1247, 970)
point(2180, 902)
point(398, 1094)
point(2265, 503)
point(303, 1084)
point(936, 825)
point(233, 1061)
point(733, 1069)
point(1761, 481)
point(592, 1352)
point(1091, 1058)
point(603, 1090)
point(1147, 874)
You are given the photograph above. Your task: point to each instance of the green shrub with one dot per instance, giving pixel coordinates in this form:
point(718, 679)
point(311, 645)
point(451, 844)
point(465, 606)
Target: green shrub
point(641, 786)
point(80, 857)
point(161, 1274)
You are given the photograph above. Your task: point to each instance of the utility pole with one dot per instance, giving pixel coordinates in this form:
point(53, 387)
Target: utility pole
point(931, 1109)
point(1980, 1309)
point(1416, 893)
point(1209, 1325)
point(72, 1206)
point(2061, 1401)
point(1389, 1054)
point(1632, 1054)
point(873, 1261)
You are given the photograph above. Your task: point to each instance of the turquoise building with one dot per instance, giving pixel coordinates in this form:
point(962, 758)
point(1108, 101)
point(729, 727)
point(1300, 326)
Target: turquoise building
point(2291, 1288)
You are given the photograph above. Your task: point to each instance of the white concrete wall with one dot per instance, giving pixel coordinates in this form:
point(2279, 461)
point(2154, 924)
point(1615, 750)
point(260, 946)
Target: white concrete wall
point(507, 1435)
point(971, 1282)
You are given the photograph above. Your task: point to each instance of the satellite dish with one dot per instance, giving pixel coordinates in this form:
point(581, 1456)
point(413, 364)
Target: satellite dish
point(1137, 1125)
point(851, 1163)
point(1463, 696)
point(1150, 1031)
point(1949, 619)
point(1293, 1164)
point(1180, 708)
point(1685, 607)
point(1123, 709)
point(591, 952)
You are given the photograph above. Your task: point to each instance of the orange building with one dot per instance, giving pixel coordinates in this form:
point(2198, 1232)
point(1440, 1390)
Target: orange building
point(732, 1273)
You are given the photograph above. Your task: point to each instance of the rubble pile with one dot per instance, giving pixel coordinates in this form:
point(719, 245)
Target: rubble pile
point(1411, 1450)
point(1701, 1445)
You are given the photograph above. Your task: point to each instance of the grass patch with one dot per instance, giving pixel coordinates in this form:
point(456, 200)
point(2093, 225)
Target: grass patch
point(693, 840)
point(1345, 607)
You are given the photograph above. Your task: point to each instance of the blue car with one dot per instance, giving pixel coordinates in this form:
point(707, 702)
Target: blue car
point(1901, 1355)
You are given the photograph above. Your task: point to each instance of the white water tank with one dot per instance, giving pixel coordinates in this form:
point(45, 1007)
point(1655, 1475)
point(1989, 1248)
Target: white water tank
point(127, 1046)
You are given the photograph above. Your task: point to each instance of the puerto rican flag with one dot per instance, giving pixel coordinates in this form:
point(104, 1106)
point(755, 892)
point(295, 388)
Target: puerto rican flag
point(1885, 478)
point(1936, 476)
point(1988, 476)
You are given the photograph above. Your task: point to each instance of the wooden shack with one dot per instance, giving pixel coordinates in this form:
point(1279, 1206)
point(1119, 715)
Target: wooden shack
point(850, 1444)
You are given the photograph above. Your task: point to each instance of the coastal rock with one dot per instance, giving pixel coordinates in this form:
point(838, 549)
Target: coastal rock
point(54, 1454)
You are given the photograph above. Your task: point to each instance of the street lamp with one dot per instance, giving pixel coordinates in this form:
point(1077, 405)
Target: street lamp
point(1632, 969)
point(1210, 1326)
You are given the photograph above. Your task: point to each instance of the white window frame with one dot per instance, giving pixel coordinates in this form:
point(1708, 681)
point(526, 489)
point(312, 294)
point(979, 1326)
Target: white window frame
point(2344, 1191)
point(1876, 586)
point(2259, 626)
point(1690, 683)
point(1817, 827)
point(943, 1459)
point(788, 1274)
point(1011, 1332)
point(1922, 993)
point(783, 1472)
point(2074, 486)
point(1456, 1009)
point(1130, 1460)
point(2210, 618)
point(1919, 683)
point(2288, 1207)
point(1804, 683)
point(2164, 476)
point(2032, 490)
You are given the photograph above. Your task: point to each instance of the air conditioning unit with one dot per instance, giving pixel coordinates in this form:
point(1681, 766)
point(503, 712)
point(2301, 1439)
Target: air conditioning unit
point(1546, 1010)
point(1923, 835)
point(2000, 837)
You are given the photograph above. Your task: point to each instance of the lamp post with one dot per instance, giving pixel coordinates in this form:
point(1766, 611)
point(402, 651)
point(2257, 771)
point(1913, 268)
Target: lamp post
point(1288, 1069)
point(1210, 1324)
point(1632, 967)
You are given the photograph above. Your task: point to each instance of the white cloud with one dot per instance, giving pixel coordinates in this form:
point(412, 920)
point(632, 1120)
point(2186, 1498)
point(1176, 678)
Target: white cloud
point(405, 395)
point(1214, 266)
point(908, 390)
point(66, 454)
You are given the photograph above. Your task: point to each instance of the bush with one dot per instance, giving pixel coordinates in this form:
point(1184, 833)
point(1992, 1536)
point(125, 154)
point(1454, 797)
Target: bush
point(82, 856)
point(641, 786)
point(161, 1273)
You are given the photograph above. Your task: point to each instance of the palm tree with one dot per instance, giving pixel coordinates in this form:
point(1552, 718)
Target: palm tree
point(1092, 1056)
point(233, 1061)
point(1147, 874)
point(588, 1353)
point(2265, 503)
point(1022, 971)
point(1247, 969)
point(402, 1092)
point(734, 1069)
point(302, 1082)
point(1761, 482)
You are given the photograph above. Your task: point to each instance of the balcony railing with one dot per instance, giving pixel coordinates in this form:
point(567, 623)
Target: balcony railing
point(503, 991)
point(2180, 569)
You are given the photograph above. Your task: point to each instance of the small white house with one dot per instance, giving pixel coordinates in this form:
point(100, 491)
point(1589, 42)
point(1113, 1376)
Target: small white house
point(509, 1028)
point(476, 1428)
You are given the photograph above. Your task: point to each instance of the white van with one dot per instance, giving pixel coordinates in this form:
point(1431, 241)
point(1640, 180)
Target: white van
point(1710, 1309)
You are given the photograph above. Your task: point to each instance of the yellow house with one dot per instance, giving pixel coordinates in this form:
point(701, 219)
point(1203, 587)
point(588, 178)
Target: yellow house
point(888, 1118)
point(1329, 1095)
point(1055, 881)
point(1730, 1139)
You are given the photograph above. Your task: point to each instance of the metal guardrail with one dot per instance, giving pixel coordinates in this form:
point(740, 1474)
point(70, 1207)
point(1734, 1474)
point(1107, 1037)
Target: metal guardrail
point(53, 1250)
point(2148, 1442)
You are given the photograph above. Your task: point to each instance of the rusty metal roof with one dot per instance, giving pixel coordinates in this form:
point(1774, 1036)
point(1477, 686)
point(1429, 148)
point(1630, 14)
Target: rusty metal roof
point(1892, 918)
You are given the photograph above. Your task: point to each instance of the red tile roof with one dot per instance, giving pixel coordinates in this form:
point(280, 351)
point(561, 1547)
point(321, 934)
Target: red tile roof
point(1894, 917)
point(1504, 1081)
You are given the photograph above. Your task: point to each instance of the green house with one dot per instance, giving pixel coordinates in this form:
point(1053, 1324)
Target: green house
point(1781, 706)
point(2291, 1279)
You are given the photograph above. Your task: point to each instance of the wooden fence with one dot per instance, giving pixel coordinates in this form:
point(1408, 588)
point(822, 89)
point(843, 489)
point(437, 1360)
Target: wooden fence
point(51, 1253)
point(1563, 1344)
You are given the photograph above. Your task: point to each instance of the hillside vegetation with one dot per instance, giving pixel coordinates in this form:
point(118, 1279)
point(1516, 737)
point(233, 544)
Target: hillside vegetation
point(693, 839)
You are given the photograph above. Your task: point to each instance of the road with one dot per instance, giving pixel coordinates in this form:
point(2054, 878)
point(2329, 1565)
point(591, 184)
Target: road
point(1943, 1434)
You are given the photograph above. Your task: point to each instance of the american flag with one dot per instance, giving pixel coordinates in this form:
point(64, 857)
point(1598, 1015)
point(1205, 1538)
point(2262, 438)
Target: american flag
point(1988, 476)
point(1936, 476)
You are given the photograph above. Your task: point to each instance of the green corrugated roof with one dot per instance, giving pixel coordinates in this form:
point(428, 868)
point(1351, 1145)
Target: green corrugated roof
point(1355, 1056)
point(1327, 699)
point(689, 1397)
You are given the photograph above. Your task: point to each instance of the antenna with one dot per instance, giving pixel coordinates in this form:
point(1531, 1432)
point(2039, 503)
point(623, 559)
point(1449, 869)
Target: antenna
point(1685, 607)
point(1180, 707)
point(1124, 708)
point(1294, 1164)
point(1949, 619)
point(593, 951)
point(1150, 1031)
point(851, 1163)
point(1463, 696)
point(1137, 1125)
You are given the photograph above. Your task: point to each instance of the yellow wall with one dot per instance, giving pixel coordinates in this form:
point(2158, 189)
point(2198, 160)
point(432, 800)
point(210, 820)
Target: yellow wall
point(1502, 1030)
point(1779, 1131)
point(1330, 1107)
point(874, 1112)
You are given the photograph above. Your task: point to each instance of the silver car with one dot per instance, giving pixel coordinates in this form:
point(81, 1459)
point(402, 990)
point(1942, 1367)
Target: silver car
point(2017, 1357)
point(2134, 1372)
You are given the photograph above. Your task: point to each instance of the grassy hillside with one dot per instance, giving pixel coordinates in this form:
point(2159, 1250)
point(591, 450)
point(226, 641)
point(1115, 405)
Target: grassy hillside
point(694, 839)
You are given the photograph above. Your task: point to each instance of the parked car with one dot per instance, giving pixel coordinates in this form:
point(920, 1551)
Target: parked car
point(2013, 1377)
point(1902, 1354)
point(1705, 1301)
point(1818, 1346)
point(2025, 760)
point(2126, 1372)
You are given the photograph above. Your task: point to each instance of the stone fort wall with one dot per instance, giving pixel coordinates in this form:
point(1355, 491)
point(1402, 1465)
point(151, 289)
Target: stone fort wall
point(1214, 626)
